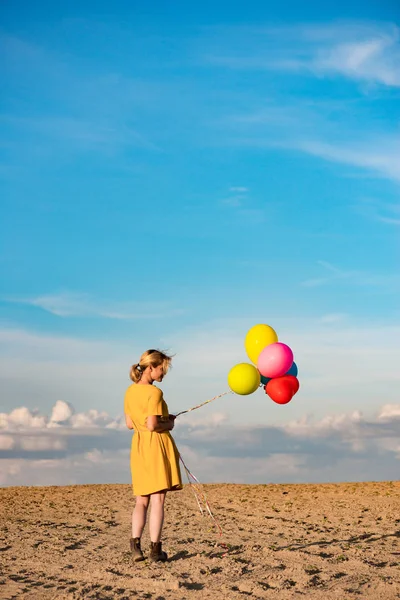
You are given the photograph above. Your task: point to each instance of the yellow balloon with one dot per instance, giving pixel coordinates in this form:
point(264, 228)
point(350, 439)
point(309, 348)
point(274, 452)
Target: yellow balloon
point(244, 379)
point(257, 338)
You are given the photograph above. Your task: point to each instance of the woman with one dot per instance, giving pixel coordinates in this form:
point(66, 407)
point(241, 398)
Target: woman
point(154, 455)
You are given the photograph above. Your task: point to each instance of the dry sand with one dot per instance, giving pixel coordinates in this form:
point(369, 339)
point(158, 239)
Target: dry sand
point(284, 541)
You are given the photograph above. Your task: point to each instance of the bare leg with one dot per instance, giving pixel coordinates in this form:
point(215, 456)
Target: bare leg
point(139, 515)
point(156, 515)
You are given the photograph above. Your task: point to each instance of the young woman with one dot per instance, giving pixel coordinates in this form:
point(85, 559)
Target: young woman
point(154, 455)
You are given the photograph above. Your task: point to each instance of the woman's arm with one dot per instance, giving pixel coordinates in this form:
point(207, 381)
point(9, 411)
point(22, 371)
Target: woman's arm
point(158, 424)
point(128, 421)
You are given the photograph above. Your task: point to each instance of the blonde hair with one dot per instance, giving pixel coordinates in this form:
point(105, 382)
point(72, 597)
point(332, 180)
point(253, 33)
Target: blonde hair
point(153, 358)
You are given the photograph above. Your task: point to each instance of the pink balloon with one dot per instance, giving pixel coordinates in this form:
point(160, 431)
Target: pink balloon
point(275, 360)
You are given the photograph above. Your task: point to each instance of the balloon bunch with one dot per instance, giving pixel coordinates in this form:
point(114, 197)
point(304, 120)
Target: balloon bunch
point(275, 369)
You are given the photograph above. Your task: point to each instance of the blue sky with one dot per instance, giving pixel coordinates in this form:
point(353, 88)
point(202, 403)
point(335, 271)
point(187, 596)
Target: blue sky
point(172, 175)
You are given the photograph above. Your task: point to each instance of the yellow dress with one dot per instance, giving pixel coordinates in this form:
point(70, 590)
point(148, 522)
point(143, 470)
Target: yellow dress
point(154, 456)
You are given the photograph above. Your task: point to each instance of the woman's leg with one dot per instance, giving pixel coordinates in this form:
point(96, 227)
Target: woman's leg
point(139, 515)
point(156, 515)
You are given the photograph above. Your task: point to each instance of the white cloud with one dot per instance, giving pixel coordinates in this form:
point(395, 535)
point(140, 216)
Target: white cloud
point(22, 417)
point(62, 414)
point(279, 467)
point(373, 59)
point(7, 442)
point(333, 318)
point(233, 201)
point(39, 444)
point(106, 135)
point(68, 304)
point(389, 411)
point(95, 456)
point(339, 362)
point(334, 448)
point(237, 197)
point(383, 158)
point(340, 130)
point(367, 52)
point(94, 418)
point(379, 211)
point(83, 122)
point(196, 419)
point(62, 411)
point(25, 344)
point(309, 128)
point(91, 467)
point(354, 278)
point(342, 424)
point(239, 189)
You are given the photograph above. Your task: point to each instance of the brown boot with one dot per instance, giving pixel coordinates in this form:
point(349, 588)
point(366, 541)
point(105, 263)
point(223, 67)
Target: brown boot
point(156, 554)
point(136, 550)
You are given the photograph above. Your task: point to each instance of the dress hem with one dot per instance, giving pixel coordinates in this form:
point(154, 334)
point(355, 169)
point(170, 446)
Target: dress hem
point(174, 488)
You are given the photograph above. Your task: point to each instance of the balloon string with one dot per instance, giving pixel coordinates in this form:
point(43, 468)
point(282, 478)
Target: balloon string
point(196, 486)
point(202, 404)
point(201, 498)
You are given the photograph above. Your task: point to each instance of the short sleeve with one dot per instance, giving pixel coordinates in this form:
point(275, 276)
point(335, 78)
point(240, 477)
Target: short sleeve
point(155, 403)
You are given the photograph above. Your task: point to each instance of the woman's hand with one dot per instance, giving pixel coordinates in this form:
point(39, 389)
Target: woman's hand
point(159, 424)
point(128, 421)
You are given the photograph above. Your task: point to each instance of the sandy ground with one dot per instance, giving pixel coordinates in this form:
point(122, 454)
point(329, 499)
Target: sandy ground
point(281, 541)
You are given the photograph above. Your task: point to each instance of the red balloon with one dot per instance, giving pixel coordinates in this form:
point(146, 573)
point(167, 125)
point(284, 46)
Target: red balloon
point(294, 382)
point(280, 390)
